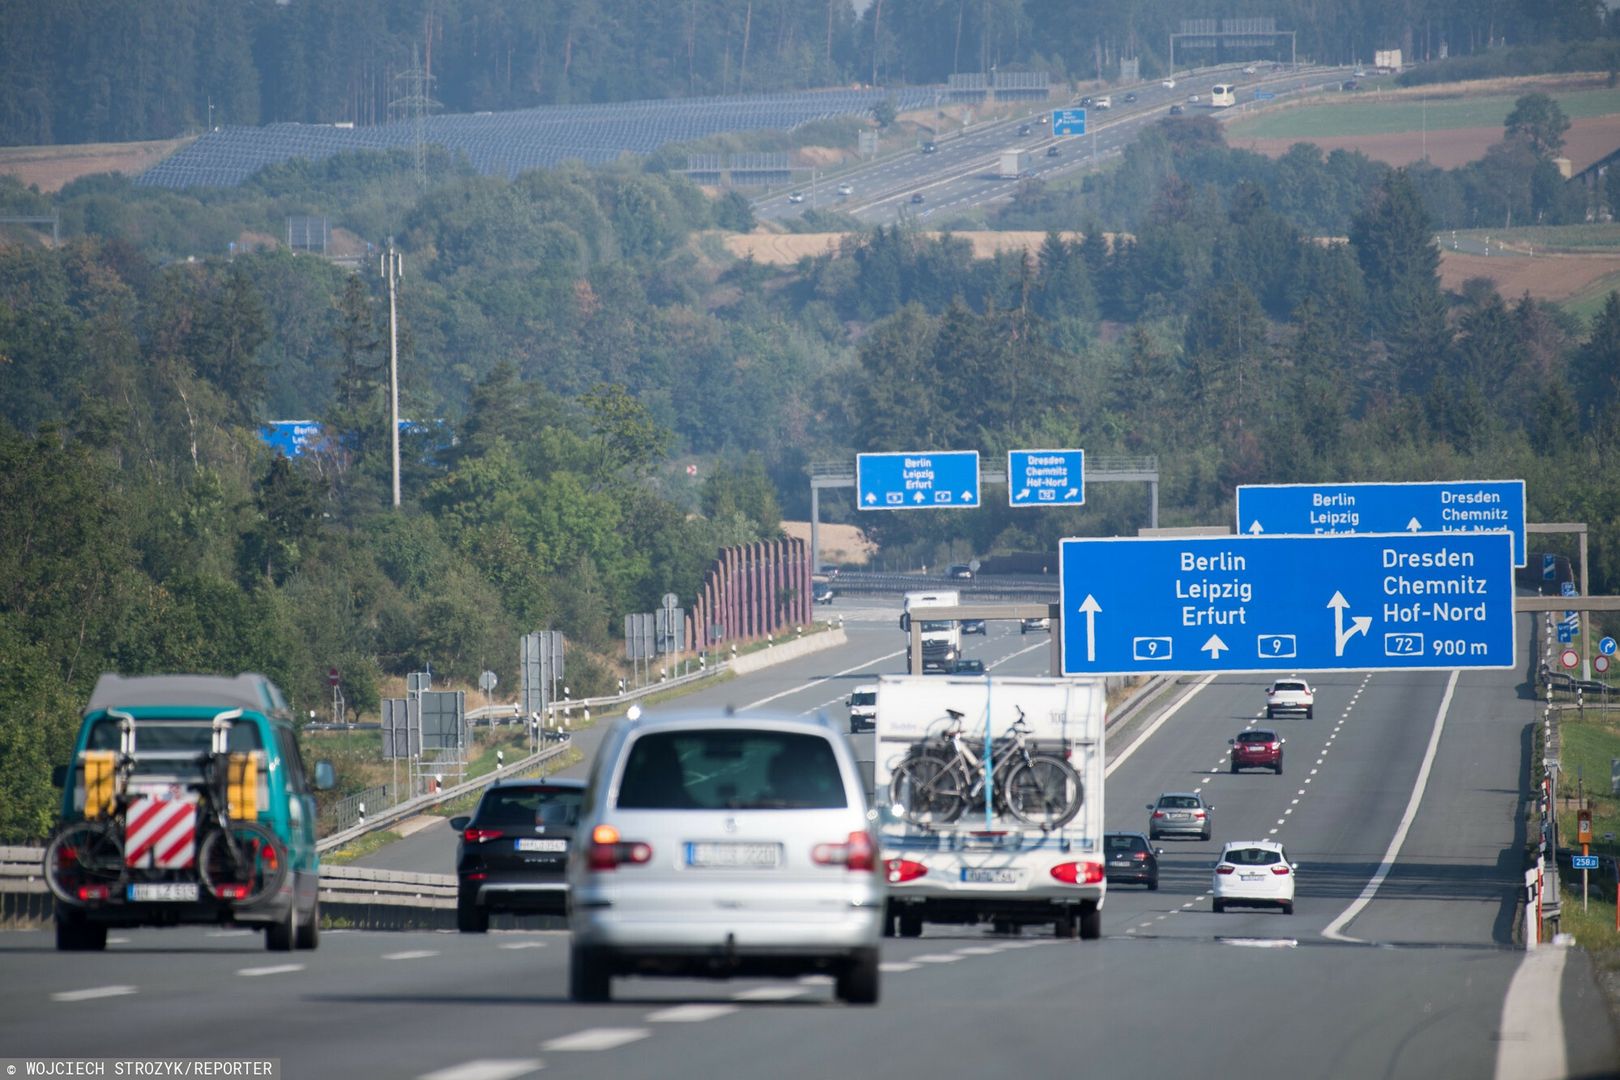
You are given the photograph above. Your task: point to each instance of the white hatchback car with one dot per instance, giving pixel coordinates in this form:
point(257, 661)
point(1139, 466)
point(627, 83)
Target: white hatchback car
point(1255, 873)
point(715, 845)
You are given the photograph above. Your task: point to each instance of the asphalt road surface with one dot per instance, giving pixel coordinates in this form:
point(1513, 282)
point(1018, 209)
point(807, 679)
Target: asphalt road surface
point(1406, 980)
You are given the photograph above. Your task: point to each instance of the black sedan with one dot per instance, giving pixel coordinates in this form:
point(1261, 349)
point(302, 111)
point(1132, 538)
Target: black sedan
point(514, 851)
point(1131, 859)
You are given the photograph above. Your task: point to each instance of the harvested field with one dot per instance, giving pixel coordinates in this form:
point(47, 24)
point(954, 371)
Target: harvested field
point(51, 167)
point(1587, 140)
point(1545, 277)
point(785, 249)
point(845, 545)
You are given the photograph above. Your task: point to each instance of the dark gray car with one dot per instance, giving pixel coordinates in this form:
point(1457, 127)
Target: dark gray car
point(513, 855)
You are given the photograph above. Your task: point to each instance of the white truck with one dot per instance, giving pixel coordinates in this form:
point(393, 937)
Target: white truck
point(941, 638)
point(1029, 850)
point(862, 703)
point(1014, 164)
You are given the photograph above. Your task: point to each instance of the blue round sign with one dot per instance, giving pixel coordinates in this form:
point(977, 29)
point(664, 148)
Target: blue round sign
point(1606, 646)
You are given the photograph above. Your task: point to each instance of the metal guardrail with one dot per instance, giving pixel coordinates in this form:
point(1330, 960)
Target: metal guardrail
point(351, 809)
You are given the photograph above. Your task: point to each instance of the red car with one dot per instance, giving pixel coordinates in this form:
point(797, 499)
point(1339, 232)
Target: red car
point(1257, 748)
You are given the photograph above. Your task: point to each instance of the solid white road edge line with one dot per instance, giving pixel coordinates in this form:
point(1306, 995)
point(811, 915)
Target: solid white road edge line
point(1530, 1038)
point(1148, 732)
point(1412, 805)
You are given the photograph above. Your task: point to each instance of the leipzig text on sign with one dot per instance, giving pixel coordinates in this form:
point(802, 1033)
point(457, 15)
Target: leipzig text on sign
point(1068, 121)
point(1046, 477)
point(1362, 602)
point(922, 480)
point(1450, 506)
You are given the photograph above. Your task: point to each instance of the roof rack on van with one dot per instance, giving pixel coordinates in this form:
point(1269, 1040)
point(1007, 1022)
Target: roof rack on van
point(245, 691)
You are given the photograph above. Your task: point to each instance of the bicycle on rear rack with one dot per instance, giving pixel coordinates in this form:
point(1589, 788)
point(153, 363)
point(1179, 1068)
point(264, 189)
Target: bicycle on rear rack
point(940, 779)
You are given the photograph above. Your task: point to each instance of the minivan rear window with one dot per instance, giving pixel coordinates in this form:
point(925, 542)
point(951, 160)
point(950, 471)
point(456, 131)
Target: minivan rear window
point(731, 769)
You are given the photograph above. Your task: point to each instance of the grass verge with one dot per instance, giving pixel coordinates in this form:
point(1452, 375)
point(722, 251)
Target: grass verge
point(363, 846)
point(1361, 114)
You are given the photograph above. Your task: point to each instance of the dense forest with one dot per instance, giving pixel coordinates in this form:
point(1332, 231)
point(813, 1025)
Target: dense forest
point(101, 70)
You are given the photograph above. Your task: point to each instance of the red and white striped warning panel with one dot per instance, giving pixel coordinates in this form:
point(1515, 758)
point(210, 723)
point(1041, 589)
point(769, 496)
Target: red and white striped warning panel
point(161, 833)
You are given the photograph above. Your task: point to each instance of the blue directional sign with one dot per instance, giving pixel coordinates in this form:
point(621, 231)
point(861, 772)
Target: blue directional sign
point(1263, 95)
point(290, 438)
point(1362, 602)
point(1606, 646)
point(1046, 477)
point(1583, 862)
point(1567, 588)
point(1549, 567)
point(1068, 121)
point(918, 480)
point(1451, 506)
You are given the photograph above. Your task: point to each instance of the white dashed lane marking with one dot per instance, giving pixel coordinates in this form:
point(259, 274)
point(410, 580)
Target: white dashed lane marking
point(769, 993)
point(411, 954)
point(602, 1038)
point(524, 945)
point(936, 958)
point(893, 967)
point(690, 1014)
point(274, 969)
point(487, 1069)
point(93, 993)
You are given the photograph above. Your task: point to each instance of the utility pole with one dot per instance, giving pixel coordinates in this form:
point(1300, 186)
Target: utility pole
point(391, 264)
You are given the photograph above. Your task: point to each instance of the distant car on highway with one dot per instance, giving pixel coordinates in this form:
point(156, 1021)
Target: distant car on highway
point(1192, 99)
point(1169, 84)
point(1130, 99)
point(929, 147)
point(968, 666)
point(513, 854)
point(1131, 859)
point(1042, 623)
point(1257, 748)
point(972, 626)
point(1052, 151)
point(828, 570)
point(1290, 695)
point(1105, 102)
point(796, 197)
point(1349, 84)
point(1254, 873)
point(917, 197)
point(1024, 129)
point(1250, 70)
point(1178, 813)
point(822, 593)
point(1085, 102)
point(1176, 110)
point(846, 189)
point(959, 571)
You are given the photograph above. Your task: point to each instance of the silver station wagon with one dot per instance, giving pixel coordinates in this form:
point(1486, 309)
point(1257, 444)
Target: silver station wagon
point(720, 845)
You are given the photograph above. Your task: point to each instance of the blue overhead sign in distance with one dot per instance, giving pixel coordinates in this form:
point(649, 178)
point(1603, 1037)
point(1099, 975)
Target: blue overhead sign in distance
point(1068, 121)
point(920, 480)
point(1387, 602)
point(1447, 506)
point(1046, 477)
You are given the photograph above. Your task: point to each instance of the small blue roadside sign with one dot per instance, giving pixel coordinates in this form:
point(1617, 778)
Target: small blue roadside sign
point(1362, 602)
point(1549, 567)
point(1606, 646)
point(918, 480)
point(1447, 506)
point(1583, 862)
point(1264, 95)
point(1046, 477)
point(1068, 121)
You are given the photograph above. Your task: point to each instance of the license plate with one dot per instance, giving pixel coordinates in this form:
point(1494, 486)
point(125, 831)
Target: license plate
point(1004, 876)
point(173, 891)
point(542, 845)
point(1252, 877)
point(745, 856)
point(1181, 817)
point(1121, 862)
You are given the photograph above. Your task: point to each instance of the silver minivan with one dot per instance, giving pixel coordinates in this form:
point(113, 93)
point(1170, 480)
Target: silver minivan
point(715, 844)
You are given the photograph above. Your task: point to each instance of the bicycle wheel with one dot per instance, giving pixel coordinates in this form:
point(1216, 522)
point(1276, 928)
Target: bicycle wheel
point(928, 790)
point(84, 862)
point(1044, 791)
point(244, 862)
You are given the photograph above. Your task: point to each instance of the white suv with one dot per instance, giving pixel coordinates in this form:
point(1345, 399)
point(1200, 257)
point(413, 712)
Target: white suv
point(1290, 695)
point(719, 845)
point(1254, 873)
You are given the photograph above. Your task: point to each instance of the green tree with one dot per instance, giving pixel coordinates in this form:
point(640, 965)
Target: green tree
point(1540, 122)
point(1393, 238)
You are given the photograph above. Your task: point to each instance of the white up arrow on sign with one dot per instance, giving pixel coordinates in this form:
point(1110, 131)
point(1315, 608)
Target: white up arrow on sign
point(1254, 528)
point(1214, 646)
point(1414, 526)
point(1089, 607)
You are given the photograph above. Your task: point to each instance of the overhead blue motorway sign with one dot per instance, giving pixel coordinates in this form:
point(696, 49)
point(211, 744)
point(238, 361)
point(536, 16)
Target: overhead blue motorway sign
point(1447, 506)
point(1363, 602)
point(1046, 477)
point(1068, 121)
point(918, 480)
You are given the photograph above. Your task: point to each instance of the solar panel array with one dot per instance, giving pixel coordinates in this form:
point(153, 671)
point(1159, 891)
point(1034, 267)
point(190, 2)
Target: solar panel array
point(507, 143)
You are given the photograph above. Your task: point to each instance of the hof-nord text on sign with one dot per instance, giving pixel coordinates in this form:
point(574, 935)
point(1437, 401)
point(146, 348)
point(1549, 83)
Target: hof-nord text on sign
point(918, 480)
point(1445, 506)
point(1381, 602)
point(1046, 477)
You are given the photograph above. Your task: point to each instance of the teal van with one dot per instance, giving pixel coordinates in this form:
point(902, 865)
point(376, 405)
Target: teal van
point(186, 803)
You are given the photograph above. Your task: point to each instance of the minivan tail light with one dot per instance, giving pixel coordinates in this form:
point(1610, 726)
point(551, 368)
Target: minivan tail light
point(855, 853)
point(1078, 873)
point(481, 836)
point(1281, 871)
point(902, 870)
point(1224, 869)
point(608, 851)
